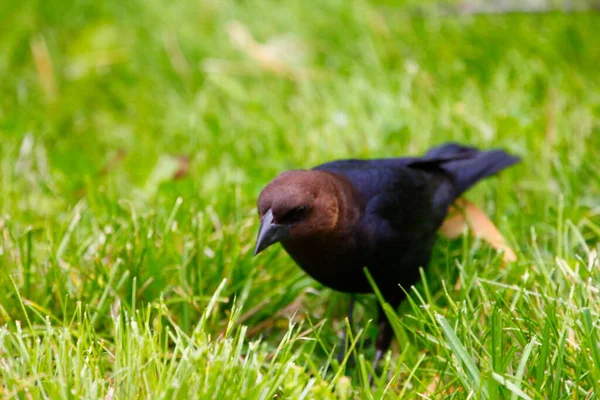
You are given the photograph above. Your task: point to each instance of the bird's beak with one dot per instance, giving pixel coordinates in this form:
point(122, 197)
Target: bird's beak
point(269, 232)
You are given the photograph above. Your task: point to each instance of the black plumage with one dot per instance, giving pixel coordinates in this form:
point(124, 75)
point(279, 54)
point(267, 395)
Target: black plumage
point(382, 214)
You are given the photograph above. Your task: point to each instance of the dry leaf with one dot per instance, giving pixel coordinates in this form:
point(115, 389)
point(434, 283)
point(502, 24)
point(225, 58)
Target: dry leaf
point(110, 393)
point(453, 225)
point(176, 57)
point(113, 162)
point(184, 165)
point(44, 66)
point(432, 387)
point(270, 57)
point(464, 213)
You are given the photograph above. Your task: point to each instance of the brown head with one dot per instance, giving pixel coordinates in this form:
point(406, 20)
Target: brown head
point(298, 204)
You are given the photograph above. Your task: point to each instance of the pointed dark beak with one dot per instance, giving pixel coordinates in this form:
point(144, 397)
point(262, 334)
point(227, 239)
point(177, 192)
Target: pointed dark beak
point(269, 233)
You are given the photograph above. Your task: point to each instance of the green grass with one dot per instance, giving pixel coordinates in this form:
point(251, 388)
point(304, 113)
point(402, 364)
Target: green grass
point(119, 282)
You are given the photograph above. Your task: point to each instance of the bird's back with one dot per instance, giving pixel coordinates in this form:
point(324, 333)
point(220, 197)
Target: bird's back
point(448, 170)
point(394, 189)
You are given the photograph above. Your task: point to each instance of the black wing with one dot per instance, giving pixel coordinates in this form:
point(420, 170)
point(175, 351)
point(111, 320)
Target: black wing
point(390, 187)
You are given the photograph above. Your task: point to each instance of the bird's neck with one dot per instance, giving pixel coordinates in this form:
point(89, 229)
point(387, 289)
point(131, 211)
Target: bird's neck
point(349, 205)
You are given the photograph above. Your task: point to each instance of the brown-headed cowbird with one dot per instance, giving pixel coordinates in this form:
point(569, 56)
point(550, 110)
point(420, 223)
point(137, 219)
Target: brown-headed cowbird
point(383, 215)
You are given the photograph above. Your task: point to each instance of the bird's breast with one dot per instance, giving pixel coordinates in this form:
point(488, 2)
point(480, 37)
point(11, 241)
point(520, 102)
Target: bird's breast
point(335, 261)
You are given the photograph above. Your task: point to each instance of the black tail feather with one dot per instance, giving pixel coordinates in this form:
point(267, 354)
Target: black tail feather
point(468, 165)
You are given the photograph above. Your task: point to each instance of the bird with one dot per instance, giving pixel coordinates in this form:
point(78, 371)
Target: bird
point(341, 217)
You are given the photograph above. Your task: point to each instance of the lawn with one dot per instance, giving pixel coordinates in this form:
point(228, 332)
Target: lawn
point(136, 136)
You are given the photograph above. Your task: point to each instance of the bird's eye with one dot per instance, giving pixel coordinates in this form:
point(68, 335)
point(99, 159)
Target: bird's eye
point(295, 215)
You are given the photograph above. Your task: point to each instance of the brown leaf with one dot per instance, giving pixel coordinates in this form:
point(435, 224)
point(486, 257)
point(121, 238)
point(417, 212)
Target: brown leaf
point(265, 56)
point(110, 393)
point(432, 387)
point(44, 66)
point(464, 213)
point(113, 162)
point(183, 163)
point(176, 57)
point(454, 225)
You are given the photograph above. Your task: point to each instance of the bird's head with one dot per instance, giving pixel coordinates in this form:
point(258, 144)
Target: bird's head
point(297, 204)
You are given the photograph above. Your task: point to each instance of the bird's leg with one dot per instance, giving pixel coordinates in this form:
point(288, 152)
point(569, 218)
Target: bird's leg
point(384, 338)
point(342, 352)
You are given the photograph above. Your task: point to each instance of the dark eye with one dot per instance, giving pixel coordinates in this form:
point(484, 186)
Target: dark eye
point(295, 215)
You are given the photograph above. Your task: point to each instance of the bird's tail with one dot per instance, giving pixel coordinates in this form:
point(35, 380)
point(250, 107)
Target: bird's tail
point(468, 165)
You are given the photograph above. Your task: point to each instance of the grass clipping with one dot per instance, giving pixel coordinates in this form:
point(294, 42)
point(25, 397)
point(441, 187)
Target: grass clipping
point(466, 214)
